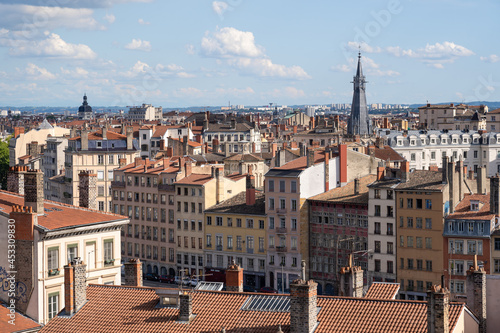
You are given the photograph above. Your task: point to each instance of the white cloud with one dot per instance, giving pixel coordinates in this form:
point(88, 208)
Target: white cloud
point(52, 46)
point(157, 72)
point(138, 44)
point(174, 67)
point(110, 18)
point(77, 72)
point(190, 49)
point(219, 7)
point(184, 75)
point(491, 58)
point(142, 22)
point(38, 73)
point(286, 92)
point(189, 92)
point(139, 68)
point(33, 20)
point(239, 50)
point(235, 91)
point(370, 67)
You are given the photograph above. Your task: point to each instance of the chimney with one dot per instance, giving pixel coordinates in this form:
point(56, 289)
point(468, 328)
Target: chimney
point(170, 152)
point(185, 145)
point(327, 170)
point(133, 273)
point(433, 167)
point(162, 144)
point(274, 148)
point(250, 194)
point(253, 147)
point(438, 306)
point(205, 148)
point(476, 293)
point(444, 169)
point(495, 195)
point(451, 185)
point(371, 150)
point(343, 164)
point(72, 132)
point(84, 139)
point(188, 167)
point(294, 130)
point(75, 286)
point(219, 184)
point(380, 171)
point(226, 149)
point(87, 190)
point(215, 146)
point(18, 131)
point(130, 138)
point(405, 171)
point(25, 221)
point(33, 190)
point(234, 278)
point(280, 158)
point(303, 304)
point(351, 280)
point(356, 186)
point(233, 123)
point(481, 180)
point(461, 186)
point(302, 149)
point(122, 162)
point(105, 132)
point(310, 158)
point(185, 307)
point(15, 179)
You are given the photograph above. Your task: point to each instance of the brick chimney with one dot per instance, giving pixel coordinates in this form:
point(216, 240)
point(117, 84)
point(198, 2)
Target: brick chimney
point(351, 280)
point(25, 221)
point(215, 146)
point(219, 174)
point(438, 306)
point(130, 137)
point(303, 304)
point(327, 170)
point(310, 158)
point(122, 162)
point(84, 139)
point(495, 195)
point(188, 168)
point(476, 293)
point(250, 194)
point(226, 149)
point(343, 164)
point(233, 123)
point(234, 278)
point(18, 131)
point(356, 186)
point(205, 148)
point(162, 144)
point(15, 179)
point(133, 273)
point(75, 286)
point(185, 307)
point(481, 180)
point(380, 171)
point(185, 145)
point(405, 171)
point(33, 190)
point(105, 132)
point(87, 190)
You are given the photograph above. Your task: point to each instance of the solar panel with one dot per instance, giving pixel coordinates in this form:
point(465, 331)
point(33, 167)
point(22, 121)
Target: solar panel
point(57, 209)
point(47, 209)
point(212, 286)
point(267, 303)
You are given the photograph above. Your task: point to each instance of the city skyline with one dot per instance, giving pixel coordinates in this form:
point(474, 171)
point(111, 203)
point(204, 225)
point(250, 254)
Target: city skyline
point(179, 54)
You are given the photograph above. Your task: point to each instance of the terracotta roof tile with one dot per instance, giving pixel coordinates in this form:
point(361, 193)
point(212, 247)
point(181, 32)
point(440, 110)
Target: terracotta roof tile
point(463, 209)
point(238, 205)
point(301, 162)
point(131, 309)
point(388, 154)
point(195, 179)
point(423, 180)
point(346, 193)
point(21, 322)
point(58, 215)
point(383, 290)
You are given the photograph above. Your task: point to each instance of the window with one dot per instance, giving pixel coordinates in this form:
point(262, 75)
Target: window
point(72, 252)
point(53, 258)
point(401, 201)
point(428, 265)
point(377, 194)
point(497, 244)
point(271, 203)
point(496, 266)
point(428, 223)
point(401, 221)
point(209, 220)
point(271, 185)
point(108, 251)
point(377, 246)
point(250, 223)
point(100, 175)
point(261, 244)
point(390, 267)
point(390, 211)
point(294, 224)
point(377, 228)
point(409, 203)
point(209, 240)
point(282, 203)
point(271, 241)
point(238, 242)
point(419, 223)
point(53, 305)
point(377, 265)
point(401, 241)
point(238, 223)
point(390, 194)
point(409, 241)
point(428, 242)
point(294, 205)
point(390, 248)
point(419, 264)
point(419, 203)
point(271, 223)
point(218, 221)
point(377, 210)
point(410, 264)
point(293, 186)
point(261, 224)
point(282, 186)
point(410, 222)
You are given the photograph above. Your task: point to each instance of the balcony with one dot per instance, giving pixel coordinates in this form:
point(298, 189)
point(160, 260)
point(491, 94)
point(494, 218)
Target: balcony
point(281, 230)
point(281, 210)
point(110, 262)
point(115, 183)
point(218, 247)
point(281, 249)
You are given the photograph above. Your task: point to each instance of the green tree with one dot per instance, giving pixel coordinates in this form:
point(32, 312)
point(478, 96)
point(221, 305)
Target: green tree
point(4, 162)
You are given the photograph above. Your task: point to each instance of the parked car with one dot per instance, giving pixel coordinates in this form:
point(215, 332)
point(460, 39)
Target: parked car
point(268, 290)
point(151, 276)
point(249, 289)
point(166, 279)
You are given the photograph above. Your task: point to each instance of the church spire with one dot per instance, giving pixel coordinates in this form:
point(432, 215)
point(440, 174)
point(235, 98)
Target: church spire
point(359, 122)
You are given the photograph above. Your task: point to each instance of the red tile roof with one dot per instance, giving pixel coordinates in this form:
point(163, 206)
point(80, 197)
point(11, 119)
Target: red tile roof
point(383, 290)
point(388, 154)
point(98, 136)
point(58, 215)
point(131, 309)
point(301, 162)
point(463, 209)
point(346, 193)
point(22, 323)
point(195, 179)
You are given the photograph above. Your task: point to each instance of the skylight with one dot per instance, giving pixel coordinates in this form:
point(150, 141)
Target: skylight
point(267, 303)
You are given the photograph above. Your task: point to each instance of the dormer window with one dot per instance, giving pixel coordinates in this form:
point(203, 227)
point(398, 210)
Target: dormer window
point(400, 142)
point(412, 142)
point(99, 144)
point(474, 205)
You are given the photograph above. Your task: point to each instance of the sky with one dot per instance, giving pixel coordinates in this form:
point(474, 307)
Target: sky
point(180, 53)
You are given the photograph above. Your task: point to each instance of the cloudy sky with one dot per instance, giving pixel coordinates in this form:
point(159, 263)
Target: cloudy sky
point(177, 53)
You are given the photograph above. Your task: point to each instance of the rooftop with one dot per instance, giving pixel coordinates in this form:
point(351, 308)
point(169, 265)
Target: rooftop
point(423, 180)
point(345, 194)
point(301, 162)
point(22, 323)
point(134, 309)
point(463, 209)
point(58, 215)
point(97, 135)
point(238, 205)
point(383, 290)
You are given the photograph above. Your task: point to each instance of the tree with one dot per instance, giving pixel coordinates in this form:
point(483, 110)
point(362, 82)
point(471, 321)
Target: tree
point(4, 161)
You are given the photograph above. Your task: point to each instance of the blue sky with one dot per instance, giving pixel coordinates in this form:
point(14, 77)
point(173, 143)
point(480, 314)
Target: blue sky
point(251, 52)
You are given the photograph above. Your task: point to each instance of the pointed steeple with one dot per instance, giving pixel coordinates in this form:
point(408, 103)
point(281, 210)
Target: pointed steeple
point(359, 122)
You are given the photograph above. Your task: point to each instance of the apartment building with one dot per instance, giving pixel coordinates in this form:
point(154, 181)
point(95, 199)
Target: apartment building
point(145, 112)
point(467, 235)
point(53, 162)
point(241, 137)
point(241, 163)
point(144, 190)
point(382, 228)
point(48, 236)
point(452, 117)
point(424, 149)
point(151, 136)
point(99, 152)
point(236, 231)
point(193, 194)
point(495, 251)
point(338, 229)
